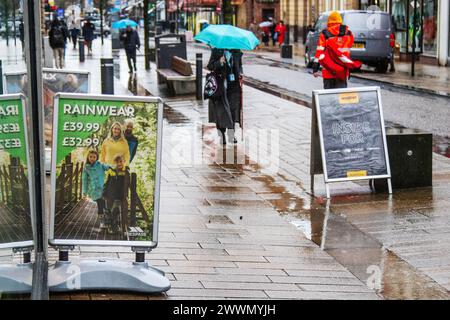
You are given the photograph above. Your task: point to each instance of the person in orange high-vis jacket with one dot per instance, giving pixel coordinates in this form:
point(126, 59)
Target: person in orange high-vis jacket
point(340, 37)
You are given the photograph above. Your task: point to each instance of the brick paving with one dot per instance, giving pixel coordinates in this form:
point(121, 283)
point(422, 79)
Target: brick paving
point(220, 235)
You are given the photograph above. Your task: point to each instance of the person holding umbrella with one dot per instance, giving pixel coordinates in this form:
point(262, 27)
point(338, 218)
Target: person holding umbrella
point(131, 42)
point(225, 111)
point(265, 32)
point(226, 62)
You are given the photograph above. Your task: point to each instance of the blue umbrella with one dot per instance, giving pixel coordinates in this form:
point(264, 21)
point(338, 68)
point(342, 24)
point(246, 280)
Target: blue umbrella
point(122, 24)
point(224, 36)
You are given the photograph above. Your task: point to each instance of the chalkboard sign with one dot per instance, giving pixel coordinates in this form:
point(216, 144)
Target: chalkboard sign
point(352, 135)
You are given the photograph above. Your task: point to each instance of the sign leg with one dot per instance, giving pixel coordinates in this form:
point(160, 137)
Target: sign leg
point(389, 185)
point(327, 189)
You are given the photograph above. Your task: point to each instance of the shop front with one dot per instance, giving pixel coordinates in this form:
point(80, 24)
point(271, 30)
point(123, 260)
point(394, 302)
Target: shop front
point(426, 30)
point(365, 4)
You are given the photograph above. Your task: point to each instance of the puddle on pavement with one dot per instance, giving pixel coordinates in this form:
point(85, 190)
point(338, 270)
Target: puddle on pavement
point(379, 268)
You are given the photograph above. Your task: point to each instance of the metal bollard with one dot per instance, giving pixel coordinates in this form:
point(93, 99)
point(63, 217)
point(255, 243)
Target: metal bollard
point(81, 49)
point(199, 76)
point(1, 77)
point(286, 48)
point(295, 33)
point(107, 75)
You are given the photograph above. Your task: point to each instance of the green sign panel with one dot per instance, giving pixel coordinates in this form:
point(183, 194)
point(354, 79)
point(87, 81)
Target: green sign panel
point(105, 168)
point(15, 214)
point(12, 129)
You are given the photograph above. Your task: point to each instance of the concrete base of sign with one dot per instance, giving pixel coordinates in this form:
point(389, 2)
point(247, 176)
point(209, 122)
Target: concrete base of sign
point(16, 278)
point(106, 275)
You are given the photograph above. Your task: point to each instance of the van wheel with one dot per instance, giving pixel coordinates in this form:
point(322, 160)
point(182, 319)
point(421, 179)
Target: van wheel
point(382, 66)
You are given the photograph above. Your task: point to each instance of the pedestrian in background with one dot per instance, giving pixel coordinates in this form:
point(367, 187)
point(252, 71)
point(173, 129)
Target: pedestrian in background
point(74, 28)
point(273, 33)
point(339, 36)
point(131, 43)
point(225, 111)
point(88, 35)
point(254, 27)
point(280, 29)
point(22, 36)
point(57, 37)
point(265, 34)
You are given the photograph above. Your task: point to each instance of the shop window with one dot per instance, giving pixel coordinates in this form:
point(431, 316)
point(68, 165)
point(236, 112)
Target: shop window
point(365, 4)
point(430, 19)
point(399, 17)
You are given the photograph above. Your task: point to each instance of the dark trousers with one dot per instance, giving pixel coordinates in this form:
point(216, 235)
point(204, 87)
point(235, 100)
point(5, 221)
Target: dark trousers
point(131, 59)
point(74, 36)
point(100, 205)
point(74, 40)
point(334, 84)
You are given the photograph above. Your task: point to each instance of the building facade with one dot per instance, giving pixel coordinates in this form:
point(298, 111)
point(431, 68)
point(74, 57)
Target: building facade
point(432, 29)
point(256, 10)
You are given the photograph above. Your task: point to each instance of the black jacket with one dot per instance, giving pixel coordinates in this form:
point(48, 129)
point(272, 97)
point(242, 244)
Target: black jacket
point(236, 67)
point(58, 35)
point(88, 31)
point(130, 40)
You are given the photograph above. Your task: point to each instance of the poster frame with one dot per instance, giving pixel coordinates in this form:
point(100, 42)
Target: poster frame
point(26, 243)
point(120, 243)
point(316, 106)
point(14, 73)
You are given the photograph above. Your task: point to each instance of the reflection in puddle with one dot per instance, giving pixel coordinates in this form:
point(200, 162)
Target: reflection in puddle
point(379, 268)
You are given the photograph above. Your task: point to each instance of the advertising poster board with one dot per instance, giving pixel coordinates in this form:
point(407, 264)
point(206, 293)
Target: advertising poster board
point(105, 177)
point(351, 133)
point(16, 218)
point(54, 81)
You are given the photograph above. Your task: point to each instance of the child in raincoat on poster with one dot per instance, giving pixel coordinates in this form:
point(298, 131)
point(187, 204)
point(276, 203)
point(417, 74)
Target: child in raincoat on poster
point(116, 189)
point(93, 180)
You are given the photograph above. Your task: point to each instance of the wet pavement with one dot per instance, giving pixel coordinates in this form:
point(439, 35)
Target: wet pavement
point(249, 226)
point(402, 107)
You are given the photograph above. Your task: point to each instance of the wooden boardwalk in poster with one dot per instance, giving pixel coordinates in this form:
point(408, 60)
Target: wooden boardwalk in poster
point(15, 226)
point(82, 223)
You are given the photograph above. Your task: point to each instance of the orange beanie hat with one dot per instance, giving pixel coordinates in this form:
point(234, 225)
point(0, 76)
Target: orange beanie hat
point(335, 17)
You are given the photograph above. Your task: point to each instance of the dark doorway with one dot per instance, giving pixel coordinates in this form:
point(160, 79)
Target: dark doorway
point(268, 13)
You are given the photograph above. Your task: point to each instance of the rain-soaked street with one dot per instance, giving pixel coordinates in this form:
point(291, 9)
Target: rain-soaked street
point(236, 223)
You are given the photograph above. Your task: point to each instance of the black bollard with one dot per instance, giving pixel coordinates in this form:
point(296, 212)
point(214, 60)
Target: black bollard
point(81, 49)
point(286, 48)
point(1, 77)
point(107, 75)
point(199, 76)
